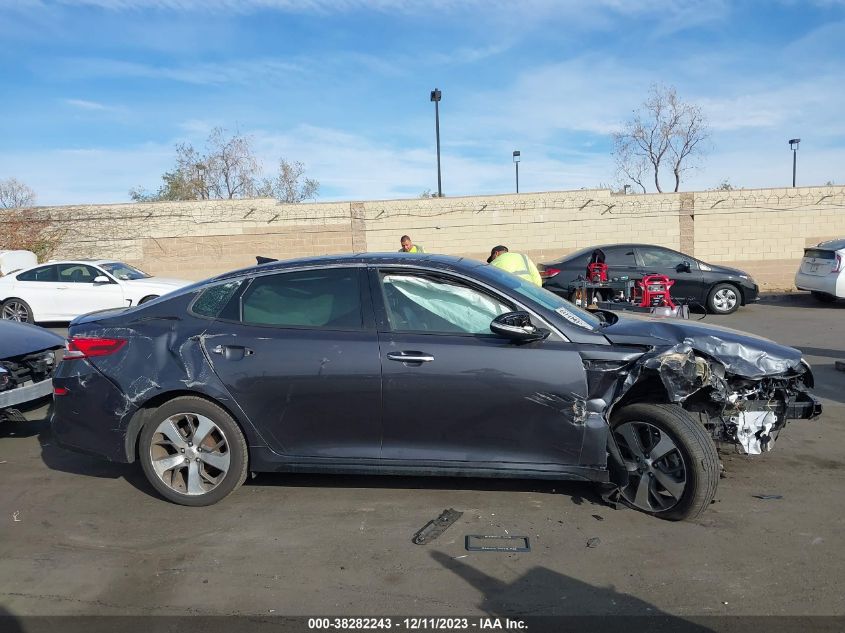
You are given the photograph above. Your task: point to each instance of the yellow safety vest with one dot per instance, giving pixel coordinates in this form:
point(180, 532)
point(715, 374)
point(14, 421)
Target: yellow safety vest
point(520, 265)
point(414, 249)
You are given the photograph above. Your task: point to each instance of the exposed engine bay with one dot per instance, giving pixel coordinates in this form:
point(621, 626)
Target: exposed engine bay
point(747, 409)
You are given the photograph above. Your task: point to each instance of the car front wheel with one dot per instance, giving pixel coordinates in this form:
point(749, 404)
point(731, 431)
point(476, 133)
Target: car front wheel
point(16, 310)
point(193, 452)
point(723, 299)
point(672, 463)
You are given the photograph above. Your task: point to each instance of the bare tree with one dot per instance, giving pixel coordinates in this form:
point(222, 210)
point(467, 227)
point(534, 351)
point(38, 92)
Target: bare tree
point(665, 133)
point(289, 184)
point(14, 194)
point(228, 168)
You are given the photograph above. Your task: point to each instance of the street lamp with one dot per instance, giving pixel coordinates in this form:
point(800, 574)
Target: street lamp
point(435, 97)
point(793, 145)
point(516, 156)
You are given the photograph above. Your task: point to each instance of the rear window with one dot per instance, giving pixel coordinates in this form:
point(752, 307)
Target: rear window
point(819, 253)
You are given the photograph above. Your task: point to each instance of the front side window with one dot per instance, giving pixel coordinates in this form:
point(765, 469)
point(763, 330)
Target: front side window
point(43, 273)
point(77, 274)
point(428, 304)
point(329, 299)
point(660, 258)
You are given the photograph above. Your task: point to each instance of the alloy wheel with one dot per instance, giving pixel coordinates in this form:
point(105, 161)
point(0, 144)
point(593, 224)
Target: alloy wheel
point(725, 300)
point(15, 311)
point(656, 468)
point(190, 454)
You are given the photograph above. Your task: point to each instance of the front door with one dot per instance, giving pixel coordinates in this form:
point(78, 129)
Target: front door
point(302, 362)
point(688, 285)
point(454, 392)
point(78, 294)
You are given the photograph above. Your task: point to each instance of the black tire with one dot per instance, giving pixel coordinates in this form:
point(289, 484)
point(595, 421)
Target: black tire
point(724, 299)
point(692, 444)
point(148, 298)
point(17, 306)
point(823, 297)
point(151, 441)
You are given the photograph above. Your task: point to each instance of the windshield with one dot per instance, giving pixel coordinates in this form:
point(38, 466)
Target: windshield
point(123, 271)
point(548, 300)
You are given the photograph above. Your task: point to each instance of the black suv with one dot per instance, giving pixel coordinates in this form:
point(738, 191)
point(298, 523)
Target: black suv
point(721, 289)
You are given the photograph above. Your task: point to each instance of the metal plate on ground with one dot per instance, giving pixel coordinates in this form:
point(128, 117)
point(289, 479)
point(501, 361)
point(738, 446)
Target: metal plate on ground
point(494, 543)
point(435, 528)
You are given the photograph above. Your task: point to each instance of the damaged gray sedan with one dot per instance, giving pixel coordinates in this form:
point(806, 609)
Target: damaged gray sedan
point(416, 364)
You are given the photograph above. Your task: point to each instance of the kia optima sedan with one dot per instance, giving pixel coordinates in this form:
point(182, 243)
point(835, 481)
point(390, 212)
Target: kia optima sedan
point(421, 365)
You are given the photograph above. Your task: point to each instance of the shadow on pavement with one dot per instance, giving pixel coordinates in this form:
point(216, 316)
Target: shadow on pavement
point(580, 493)
point(543, 592)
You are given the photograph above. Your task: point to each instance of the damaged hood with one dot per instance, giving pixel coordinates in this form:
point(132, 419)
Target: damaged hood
point(18, 339)
point(742, 354)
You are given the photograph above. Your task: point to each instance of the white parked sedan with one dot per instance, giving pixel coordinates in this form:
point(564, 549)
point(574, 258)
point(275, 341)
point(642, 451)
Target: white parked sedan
point(821, 271)
point(62, 290)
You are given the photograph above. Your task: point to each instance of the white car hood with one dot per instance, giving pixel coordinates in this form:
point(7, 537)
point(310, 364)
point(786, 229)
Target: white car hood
point(164, 284)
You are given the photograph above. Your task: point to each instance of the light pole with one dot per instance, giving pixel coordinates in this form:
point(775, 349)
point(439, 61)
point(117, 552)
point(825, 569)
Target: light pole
point(793, 145)
point(516, 156)
point(435, 97)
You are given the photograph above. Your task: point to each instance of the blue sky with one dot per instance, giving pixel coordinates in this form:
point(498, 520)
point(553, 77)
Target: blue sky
point(96, 93)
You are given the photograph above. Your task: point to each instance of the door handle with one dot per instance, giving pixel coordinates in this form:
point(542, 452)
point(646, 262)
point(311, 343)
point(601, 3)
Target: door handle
point(232, 352)
point(410, 357)
point(61, 287)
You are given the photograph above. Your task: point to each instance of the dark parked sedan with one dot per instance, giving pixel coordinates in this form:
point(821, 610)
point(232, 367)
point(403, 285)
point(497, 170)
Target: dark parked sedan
point(27, 361)
point(721, 289)
point(416, 364)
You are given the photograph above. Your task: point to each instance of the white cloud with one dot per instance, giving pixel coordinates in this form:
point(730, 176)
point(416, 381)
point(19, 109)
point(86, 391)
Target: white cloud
point(82, 104)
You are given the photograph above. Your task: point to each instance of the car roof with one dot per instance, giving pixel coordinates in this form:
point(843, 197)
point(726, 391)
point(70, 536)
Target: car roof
point(430, 260)
point(589, 249)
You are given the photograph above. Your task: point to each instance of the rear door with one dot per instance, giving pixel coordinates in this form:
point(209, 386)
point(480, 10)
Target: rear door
point(685, 271)
point(621, 262)
point(300, 357)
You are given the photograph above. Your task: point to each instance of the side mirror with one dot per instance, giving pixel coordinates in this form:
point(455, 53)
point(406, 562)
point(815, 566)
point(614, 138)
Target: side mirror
point(517, 327)
point(101, 279)
point(684, 267)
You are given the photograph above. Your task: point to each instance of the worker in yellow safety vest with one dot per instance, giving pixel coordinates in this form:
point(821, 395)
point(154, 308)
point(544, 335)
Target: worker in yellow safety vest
point(408, 246)
point(516, 263)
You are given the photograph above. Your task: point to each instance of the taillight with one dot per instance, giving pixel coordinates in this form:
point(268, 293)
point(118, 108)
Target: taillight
point(90, 347)
point(547, 272)
point(838, 267)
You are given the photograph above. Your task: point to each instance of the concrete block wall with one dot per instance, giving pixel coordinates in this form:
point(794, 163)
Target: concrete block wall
point(763, 231)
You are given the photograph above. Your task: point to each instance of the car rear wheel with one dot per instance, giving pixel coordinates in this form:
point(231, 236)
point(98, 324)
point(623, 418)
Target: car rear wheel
point(672, 463)
point(723, 299)
point(823, 297)
point(16, 310)
point(193, 452)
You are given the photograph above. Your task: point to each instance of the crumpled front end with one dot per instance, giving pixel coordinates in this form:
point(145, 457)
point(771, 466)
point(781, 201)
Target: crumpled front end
point(744, 395)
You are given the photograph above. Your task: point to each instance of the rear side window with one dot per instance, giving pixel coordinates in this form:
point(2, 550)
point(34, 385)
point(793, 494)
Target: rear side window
point(43, 273)
point(620, 257)
point(329, 299)
point(216, 301)
point(808, 252)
